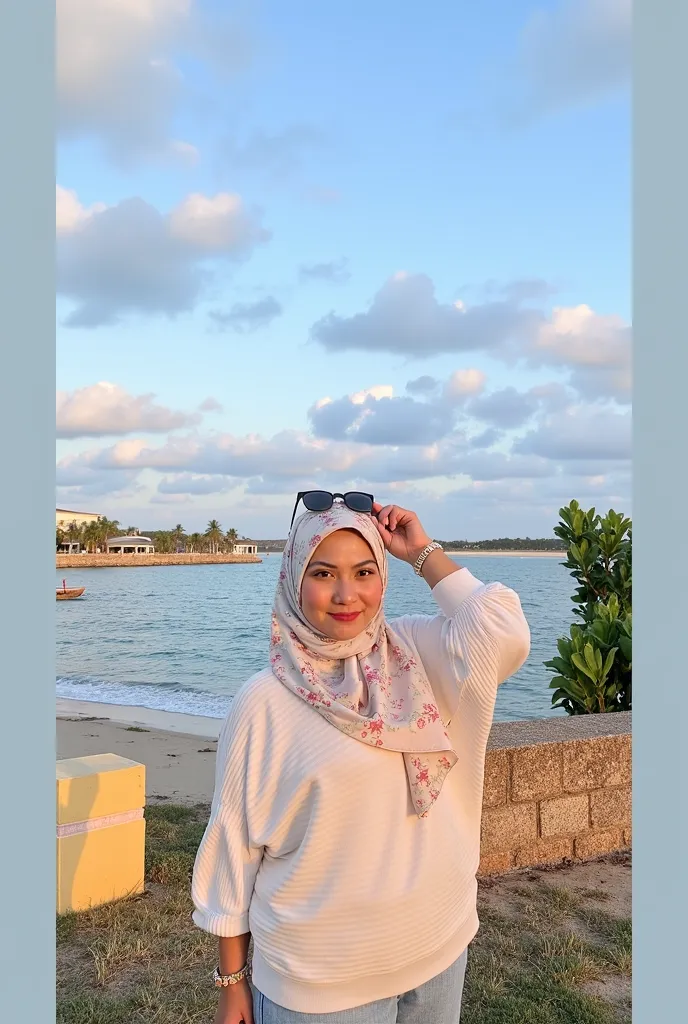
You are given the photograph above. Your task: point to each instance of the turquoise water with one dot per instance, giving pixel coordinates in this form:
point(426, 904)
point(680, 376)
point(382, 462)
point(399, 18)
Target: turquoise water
point(184, 638)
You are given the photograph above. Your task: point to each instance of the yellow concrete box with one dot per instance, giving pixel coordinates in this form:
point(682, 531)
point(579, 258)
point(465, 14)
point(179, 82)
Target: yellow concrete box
point(100, 830)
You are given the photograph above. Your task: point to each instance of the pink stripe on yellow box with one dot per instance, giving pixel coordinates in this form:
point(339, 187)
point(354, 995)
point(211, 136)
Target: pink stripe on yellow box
point(100, 830)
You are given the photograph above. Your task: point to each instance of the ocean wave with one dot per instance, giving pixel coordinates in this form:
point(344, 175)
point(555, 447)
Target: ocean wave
point(157, 698)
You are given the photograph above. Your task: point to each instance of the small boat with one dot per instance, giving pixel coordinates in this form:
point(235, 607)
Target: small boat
point(65, 593)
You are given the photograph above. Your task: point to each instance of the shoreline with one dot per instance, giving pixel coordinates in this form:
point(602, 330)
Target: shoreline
point(200, 726)
point(504, 554)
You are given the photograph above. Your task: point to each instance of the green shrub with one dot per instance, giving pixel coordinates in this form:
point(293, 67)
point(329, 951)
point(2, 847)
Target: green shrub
point(594, 662)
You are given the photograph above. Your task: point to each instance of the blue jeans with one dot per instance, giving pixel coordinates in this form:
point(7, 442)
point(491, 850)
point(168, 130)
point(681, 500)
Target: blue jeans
point(436, 1002)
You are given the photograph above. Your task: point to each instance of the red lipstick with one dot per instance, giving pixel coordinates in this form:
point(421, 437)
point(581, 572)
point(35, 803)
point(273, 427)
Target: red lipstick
point(345, 616)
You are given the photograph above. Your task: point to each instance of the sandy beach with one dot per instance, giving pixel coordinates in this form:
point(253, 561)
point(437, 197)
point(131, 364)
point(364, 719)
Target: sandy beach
point(177, 750)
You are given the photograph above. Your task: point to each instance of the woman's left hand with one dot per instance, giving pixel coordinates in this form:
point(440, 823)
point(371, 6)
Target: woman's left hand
point(401, 531)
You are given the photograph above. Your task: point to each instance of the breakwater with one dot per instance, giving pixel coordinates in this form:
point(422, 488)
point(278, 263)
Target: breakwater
point(127, 561)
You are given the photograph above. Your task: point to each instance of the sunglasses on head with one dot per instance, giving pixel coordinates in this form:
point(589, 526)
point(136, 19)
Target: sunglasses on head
point(321, 501)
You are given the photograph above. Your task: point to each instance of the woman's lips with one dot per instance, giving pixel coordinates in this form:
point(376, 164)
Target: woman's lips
point(345, 616)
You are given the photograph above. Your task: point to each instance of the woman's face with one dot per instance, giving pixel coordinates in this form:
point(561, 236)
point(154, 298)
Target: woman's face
point(341, 590)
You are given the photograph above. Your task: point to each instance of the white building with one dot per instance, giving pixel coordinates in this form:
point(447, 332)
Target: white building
point(130, 546)
point(69, 548)
point(245, 547)
point(64, 517)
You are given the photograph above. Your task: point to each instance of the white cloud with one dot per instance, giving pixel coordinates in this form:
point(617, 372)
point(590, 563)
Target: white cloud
point(391, 445)
point(376, 417)
point(576, 52)
point(245, 317)
point(107, 409)
point(464, 383)
point(484, 465)
point(212, 223)
point(119, 77)
point(377, 391)
point(581, 432)
point(69, 213)
point(132, 259)
point(115, 76)
point(597, 349)
point(507, 408)
point(424, 385)
point(188, 484)
point(210, 404)
point(405, 318)
point(335, 271)
point(170, 499)
point(295, 459)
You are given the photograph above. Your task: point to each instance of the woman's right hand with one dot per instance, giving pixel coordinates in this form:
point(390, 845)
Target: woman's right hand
point(235, 1005)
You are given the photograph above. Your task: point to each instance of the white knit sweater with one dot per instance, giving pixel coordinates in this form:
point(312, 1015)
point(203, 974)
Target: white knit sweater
point(313, 844)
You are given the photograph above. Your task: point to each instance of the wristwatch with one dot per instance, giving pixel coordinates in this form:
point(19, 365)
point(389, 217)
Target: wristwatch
point(418, 564)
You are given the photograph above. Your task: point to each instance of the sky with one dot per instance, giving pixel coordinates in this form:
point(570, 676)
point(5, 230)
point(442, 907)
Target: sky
point(348, 246)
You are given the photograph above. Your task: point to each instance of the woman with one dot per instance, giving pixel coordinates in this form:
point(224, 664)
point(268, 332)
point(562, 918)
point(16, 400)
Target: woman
point(344, 835)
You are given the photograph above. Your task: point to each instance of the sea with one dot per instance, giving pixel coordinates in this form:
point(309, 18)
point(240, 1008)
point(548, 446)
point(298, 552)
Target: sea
point(184, 638)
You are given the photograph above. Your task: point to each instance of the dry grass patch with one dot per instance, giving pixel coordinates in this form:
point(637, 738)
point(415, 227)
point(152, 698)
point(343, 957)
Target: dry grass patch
point(547, 953)
point(551, 949)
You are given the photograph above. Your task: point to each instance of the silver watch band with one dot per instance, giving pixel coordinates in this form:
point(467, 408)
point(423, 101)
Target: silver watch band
point(223, 980)
point(418, 564)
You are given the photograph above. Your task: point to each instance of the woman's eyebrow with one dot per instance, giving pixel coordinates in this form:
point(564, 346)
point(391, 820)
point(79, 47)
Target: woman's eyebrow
point(329, 565)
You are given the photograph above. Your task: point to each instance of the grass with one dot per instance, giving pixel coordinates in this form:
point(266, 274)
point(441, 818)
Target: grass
point(548, 956)
point(545, 953)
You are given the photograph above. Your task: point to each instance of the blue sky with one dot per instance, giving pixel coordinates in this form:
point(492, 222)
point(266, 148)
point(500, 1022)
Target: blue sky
point(270, 205)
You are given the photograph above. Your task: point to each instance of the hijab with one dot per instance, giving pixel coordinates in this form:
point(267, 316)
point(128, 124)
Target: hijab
point(370, 687)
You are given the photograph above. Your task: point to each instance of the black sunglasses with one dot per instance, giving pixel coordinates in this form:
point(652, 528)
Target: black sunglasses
point(321, 501)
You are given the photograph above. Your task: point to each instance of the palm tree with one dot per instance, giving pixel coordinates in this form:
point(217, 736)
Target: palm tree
point(194, 541)
point(74, 531)
point(178, 535)
point(91, 536)
point(107, 528)
point(214, 535)
point(59, 537)
point(231, 537)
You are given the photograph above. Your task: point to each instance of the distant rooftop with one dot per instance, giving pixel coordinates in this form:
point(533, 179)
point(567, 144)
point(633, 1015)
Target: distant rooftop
point(71, 512)
point(130, 540)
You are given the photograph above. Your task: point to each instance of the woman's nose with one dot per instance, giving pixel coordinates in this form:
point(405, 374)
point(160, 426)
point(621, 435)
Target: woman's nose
point(345, 593)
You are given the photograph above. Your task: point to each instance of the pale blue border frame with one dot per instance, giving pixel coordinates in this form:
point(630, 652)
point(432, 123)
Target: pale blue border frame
point(27, 409)
point(660, 511)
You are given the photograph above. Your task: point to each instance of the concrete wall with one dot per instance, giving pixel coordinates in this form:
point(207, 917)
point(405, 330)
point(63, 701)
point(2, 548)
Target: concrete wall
point(556, 789)
point(122, 561)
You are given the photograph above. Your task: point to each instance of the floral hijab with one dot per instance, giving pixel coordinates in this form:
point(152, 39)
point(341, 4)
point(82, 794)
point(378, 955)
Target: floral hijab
point(369, 687)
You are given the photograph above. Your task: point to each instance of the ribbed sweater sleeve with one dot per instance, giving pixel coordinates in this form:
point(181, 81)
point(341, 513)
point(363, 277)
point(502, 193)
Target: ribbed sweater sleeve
point(228, 859)
point(480, 639)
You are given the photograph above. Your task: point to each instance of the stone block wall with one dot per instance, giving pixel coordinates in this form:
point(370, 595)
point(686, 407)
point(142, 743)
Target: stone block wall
point(126, 561)
point(556, 789)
